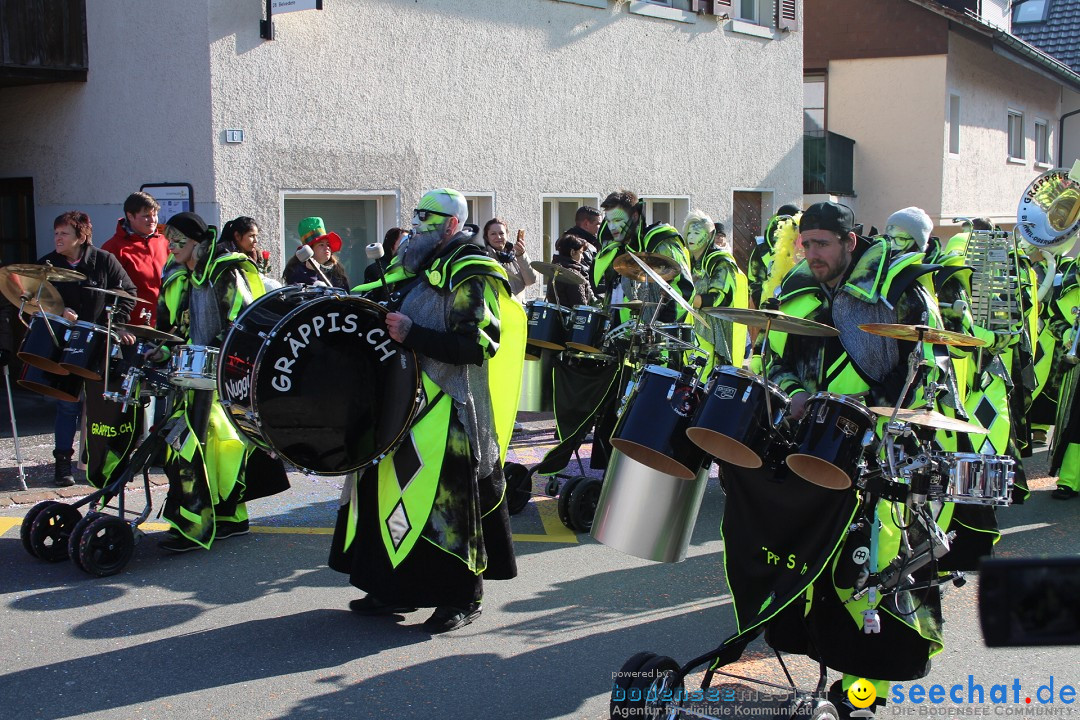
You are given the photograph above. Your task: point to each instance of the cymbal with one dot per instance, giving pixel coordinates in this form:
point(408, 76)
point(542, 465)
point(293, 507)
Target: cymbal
point(118, 293)
point(931, 418)
point(632, 305)
point(553, 271)
point(662, 265)
point(773, 320)
point(46, 272)
point(923, 333)
point(148, 333)
point(668, 290)
point(31, 293)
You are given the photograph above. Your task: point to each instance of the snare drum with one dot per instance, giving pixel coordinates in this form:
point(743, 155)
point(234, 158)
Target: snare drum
point(974, 479)
point(830, 439)
point(652, 427)
point(311, 375)
point(734, 423)
point(194, 367)
point(674, 336)
point(547, 324)
point(587, 328)
point(84, 350)
point(43, 346)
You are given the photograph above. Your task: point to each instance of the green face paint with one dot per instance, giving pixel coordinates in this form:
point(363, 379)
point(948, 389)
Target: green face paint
point(617, 222)
point(698, 237)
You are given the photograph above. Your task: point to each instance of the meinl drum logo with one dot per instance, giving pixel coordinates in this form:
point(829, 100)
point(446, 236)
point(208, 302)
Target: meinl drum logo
point(295, 342)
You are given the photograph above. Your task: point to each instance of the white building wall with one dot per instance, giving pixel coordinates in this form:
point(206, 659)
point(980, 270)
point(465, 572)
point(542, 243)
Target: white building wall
point(516, 98)
point(1071, 150)
point(893, 109)
point(981, 180)
point(141, 117)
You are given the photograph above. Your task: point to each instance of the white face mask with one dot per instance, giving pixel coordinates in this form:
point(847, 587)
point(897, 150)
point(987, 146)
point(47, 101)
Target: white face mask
point(617, 222)
point(698, 237)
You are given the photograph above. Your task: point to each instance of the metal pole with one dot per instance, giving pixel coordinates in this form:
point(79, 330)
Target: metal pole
point(14, 430)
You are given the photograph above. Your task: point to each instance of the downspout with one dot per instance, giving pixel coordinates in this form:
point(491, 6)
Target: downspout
point(1061, 136)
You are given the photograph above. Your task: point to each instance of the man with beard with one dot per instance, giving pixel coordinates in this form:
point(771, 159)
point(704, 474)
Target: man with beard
point(718, 282)
point(425, 526)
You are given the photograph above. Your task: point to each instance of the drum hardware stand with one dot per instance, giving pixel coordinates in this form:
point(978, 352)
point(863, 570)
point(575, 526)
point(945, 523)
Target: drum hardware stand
point(14, 429)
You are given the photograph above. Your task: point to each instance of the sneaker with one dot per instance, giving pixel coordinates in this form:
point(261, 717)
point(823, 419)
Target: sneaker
point(447, 618)
point(518, 427)
point(227, 529)
point(371, 605)
point(179, 544)
point(1064, 493)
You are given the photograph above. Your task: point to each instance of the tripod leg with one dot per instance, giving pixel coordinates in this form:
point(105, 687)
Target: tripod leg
point(14, 429)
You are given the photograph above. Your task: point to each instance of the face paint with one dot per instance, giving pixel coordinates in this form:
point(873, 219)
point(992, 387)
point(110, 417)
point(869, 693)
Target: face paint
point(425, 220)
point(900, 240)
point(698, 237)
point(617, 222)
point(418, 248)
point(176, 239)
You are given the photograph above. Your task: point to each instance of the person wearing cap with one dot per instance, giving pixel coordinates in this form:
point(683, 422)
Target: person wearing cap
point(212, 470)
point(759, 266)
point(313, 234)
point(427, 525)
point(718, 282)
point(845, 281)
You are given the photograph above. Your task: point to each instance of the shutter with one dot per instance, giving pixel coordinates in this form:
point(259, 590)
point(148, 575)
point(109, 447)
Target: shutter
point(721, 7)
point(787, 15)
point(711, 7)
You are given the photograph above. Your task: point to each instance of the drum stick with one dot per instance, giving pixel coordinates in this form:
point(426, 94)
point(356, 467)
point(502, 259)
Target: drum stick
point(374, 252)
point(14, 430)
point(304, 255)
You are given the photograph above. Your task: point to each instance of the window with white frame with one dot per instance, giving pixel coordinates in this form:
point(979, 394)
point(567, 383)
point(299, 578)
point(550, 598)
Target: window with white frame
point(359, 219)
point(1016, 135)
point(559, 212)
point(1030, 11)
point(672, 210)
point(751, 11)
point(954, 124)
point(481, 208)
point(1042, 142)
point(814, 105)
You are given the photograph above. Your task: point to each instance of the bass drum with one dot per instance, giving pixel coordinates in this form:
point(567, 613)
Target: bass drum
point(311, 375)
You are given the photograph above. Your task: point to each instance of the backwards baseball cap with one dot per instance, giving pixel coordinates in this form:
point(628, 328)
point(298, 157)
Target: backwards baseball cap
point(312, 230)
point(830, 216)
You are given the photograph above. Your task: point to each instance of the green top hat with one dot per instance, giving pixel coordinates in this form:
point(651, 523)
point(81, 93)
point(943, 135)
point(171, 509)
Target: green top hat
point(313, 230)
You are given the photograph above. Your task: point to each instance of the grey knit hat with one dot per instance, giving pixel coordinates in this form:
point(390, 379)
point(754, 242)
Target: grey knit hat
point(911, 221)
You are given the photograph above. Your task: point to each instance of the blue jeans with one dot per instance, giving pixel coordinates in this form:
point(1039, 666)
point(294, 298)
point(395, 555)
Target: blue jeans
point(67, 422)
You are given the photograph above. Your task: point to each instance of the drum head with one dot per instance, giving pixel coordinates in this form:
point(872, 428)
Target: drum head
point(819, 472)
point(332, 391)
point(724, 448)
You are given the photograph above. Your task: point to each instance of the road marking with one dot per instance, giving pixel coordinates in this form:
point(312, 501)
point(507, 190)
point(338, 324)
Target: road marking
point(555, 531)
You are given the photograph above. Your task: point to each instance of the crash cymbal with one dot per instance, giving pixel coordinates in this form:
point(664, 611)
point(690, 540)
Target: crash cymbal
point(773, 320)
point(552, 271)
point(662, 265)
point(46, 272)
point(118, 293)
point(668, 290)
point(923, 333)
point(32, 294)
point(632, 305)
point(930, 418)
point(148, 333)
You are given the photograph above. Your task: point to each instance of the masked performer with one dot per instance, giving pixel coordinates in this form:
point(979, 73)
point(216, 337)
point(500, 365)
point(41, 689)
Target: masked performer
point(718, 282)
point(208, 464)
point(425, 526)
point(759, 267)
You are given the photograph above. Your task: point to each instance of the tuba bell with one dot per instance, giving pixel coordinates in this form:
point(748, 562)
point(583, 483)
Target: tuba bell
point(1049, 212)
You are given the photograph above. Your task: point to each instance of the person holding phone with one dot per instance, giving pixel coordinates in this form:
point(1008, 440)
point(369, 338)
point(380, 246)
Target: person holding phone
point(513, 258)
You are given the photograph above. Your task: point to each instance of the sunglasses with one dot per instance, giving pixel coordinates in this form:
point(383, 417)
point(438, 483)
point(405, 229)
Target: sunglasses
point(423, 215)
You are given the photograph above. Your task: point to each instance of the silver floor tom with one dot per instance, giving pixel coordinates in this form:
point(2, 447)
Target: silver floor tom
point(976, 479)
point(194, 367)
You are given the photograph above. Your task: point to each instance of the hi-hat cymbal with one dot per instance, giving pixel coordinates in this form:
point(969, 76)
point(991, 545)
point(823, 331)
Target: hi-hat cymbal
point(662, 283)
point(923, 333)
point(46, 272)
point(931, 418)
point(552, 271)
point(31, 293)
point(662, 265)
point(148, 333)
point(118, 293)
point(773, 320)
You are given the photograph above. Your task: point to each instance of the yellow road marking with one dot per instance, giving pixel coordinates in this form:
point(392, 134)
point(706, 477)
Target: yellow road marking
point(555, 531)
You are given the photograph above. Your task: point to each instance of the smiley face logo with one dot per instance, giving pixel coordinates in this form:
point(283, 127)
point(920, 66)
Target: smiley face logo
point(862, 693)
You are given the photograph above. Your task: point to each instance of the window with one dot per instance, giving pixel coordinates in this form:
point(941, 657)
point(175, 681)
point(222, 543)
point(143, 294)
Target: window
point(954, 124)
point(559, 212)
point(481, 208)
point(1016, 135)
point(1042, 142)
point(671, 210)
point(814, 105)
point(358, 218)
point(1030, 11)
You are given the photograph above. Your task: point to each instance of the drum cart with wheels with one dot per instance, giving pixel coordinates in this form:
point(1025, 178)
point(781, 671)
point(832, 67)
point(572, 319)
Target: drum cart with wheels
point(578, 494)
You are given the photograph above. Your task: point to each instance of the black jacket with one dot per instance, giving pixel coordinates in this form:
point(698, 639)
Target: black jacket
point(102, 270)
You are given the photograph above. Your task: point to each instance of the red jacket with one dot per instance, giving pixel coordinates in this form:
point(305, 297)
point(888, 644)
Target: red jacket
point(143, 259)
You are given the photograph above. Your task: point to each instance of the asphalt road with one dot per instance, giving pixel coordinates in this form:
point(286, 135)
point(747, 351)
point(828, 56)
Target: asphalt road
point(259, 626)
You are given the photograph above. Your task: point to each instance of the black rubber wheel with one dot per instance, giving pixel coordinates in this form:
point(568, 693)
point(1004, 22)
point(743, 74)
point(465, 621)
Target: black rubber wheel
point(76, 535)
point(583, 503)
point(518, 487)
point(50, 530)
point(624, 679)
point(106, 546)
point(565, 495)
point(552, 487)
point(651, 691)
point(811, 708)
point(28, 521)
